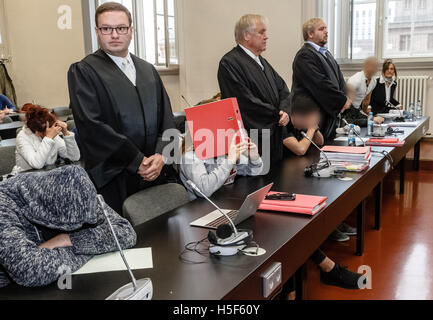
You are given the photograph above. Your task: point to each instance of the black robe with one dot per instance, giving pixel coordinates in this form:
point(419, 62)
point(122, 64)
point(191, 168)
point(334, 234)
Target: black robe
point(117, 123)
point(261, 95)
point(320, 79)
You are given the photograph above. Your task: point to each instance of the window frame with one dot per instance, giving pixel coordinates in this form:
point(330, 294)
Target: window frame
point(91, 42)
point(344, 37)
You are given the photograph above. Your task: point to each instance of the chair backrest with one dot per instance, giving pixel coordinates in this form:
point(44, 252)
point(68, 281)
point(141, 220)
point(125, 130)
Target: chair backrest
point(7, 159)
point(7, 119)
point(154, 202)
point(71, 125)
point(62, 111)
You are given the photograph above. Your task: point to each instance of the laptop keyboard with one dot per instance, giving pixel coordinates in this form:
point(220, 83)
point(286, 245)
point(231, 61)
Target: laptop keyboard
point(222, 220)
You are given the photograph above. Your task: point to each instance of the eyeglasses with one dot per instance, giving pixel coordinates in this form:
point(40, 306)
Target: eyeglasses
point(109, 30)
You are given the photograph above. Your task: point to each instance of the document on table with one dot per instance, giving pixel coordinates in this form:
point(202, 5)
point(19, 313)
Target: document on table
point(344, 139)
point(137, 259)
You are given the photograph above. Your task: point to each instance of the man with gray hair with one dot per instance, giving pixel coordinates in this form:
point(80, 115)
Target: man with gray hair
point(317, 75)
point(262, 95)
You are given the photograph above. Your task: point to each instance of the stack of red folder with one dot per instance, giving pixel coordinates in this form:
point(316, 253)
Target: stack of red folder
point(351, 159)
point(309, 205)
point(388, 142)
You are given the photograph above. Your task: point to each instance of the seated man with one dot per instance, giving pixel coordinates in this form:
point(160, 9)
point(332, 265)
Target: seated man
point(304, 115)
point(45, 228)
point(360, 87)
point(6, 104)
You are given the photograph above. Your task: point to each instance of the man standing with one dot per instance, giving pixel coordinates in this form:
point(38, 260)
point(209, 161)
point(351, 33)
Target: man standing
point(262, 95)
point(317, 75)
point(121, 110)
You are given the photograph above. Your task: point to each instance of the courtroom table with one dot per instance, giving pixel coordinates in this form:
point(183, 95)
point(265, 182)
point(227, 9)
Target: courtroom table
point(288, 238)
point(9, 130)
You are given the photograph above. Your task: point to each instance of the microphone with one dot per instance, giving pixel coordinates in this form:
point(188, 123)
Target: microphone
point(184, 99)
point(317, 147)
point(194, 186)
point(318, 170)
point(137, 290)
point(356, 133)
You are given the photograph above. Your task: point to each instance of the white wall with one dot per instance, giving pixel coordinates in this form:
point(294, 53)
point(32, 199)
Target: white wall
point(41, 52)
point(207, 33)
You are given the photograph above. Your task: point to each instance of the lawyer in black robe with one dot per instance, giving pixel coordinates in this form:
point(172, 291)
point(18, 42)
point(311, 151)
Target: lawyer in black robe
point(118, 123)
point(320, 79)
point(261, 95)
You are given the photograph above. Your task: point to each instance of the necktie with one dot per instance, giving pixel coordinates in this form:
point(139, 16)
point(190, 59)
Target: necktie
point(324, 51)
point(128, 70)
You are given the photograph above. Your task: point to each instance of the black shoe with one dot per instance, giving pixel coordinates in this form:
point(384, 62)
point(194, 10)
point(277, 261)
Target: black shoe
point(343, 278)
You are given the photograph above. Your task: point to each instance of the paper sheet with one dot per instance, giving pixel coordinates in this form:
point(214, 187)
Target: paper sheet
point(137, 259)
point(344, 139)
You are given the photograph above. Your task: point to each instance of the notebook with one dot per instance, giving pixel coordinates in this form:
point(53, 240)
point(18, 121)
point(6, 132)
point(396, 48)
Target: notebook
point(213, 126)
point(304, 204)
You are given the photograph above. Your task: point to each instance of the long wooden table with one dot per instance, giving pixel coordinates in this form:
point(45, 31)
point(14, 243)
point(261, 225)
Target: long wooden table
point(288, 238)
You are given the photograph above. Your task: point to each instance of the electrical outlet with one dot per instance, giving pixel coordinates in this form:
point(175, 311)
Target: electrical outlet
point(272, 279)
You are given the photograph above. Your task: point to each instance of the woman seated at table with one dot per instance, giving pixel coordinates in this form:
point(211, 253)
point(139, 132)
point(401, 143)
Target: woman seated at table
point(210, 175)
point(42, 140)
point(6, 104)
point(51, 224)
point(382, 98)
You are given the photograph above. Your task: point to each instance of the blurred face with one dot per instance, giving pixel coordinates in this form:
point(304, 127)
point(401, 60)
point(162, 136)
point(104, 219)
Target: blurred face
point(256, 41)
point(390, 72)
point(370, 68)
point(115, 42)
point(302, 122)
point(320, 34)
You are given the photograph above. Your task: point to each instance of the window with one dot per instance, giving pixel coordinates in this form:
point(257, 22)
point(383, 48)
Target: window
point(155, 38)
point(381, 28)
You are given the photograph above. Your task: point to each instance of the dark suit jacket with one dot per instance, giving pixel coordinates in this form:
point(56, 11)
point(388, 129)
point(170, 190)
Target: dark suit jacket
point(378, 98)
point(320, 79)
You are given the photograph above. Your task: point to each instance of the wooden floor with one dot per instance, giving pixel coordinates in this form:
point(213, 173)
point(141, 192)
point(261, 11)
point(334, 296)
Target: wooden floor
point(400, 255)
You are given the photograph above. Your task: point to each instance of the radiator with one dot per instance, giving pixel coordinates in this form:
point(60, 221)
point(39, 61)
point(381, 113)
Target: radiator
point(411, 89)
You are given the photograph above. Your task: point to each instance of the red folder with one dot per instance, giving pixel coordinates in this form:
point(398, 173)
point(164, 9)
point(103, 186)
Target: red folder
point(388, 142)
point(309, 205)
point(213, 126)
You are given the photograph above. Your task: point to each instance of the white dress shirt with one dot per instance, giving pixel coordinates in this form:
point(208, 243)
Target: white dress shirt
point(127, 66)
point(359, 82)
point(33, 152)
point(252, 55)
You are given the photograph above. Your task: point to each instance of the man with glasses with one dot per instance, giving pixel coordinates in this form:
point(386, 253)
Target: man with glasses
point(121, 110)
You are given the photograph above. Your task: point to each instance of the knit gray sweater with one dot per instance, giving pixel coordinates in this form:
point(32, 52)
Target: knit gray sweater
point(63, 200)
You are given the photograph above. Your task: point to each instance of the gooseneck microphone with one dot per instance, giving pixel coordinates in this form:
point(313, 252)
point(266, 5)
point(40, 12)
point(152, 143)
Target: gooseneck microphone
point(355, 132)
point(317, 147)
point(319, 169)
point(137, 290)
point(194, 186)
point(184, 99)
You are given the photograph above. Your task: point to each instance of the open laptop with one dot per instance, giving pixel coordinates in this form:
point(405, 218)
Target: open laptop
point(249, 208)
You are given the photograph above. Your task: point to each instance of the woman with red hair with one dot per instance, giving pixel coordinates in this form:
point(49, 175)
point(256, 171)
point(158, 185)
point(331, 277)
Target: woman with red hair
point(39, 143)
